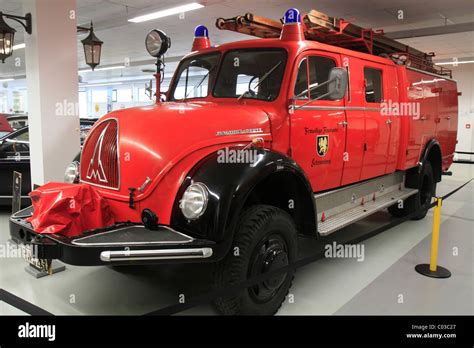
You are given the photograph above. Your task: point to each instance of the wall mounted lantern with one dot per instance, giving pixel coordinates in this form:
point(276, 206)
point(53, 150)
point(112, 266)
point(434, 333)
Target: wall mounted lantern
point(92, 46)
point(7, 33)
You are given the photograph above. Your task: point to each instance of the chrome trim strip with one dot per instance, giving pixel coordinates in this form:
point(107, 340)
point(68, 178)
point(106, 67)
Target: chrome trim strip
point(162, 254)
point(342, 108)
point(118, 156)
point(12, 196)
point(430, 73)
point(78, 241)
point(15, 158)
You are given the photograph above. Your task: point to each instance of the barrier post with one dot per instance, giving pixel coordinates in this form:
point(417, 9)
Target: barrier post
point(432, 269)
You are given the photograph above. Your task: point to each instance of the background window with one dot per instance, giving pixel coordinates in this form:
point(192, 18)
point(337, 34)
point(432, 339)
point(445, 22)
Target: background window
point(83, 104)
point(143, 96)
point(124, 95)
point(99, 96)
point(373, 85)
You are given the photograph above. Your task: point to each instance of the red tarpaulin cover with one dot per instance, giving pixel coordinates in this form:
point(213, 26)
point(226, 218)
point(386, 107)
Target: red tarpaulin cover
point(69, 209)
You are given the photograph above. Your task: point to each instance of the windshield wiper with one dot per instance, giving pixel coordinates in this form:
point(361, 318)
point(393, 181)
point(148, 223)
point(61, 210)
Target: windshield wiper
point(199, 83)
point(268, 73)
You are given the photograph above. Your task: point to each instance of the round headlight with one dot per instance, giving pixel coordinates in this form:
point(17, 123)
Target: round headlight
point(194, 201)
point(157, 43)
point(71, 175)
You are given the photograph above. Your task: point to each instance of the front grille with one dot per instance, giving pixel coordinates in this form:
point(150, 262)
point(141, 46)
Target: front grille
point(99, 159)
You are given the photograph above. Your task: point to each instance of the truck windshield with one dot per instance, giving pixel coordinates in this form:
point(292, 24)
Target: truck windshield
point(194, 75)
point(243, 73)
point(251, 73)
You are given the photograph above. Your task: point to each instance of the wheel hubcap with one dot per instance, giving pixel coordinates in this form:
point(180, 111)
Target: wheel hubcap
point(271, 254)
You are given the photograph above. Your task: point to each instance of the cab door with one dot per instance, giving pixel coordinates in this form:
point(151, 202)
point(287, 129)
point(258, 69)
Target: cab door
point(377, 126)
point(317, 135)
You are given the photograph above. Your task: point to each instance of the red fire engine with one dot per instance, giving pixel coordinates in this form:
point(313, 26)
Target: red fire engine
point(315, 125)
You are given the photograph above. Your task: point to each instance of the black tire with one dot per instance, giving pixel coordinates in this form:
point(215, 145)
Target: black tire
point(267, 240)
point(419, 202)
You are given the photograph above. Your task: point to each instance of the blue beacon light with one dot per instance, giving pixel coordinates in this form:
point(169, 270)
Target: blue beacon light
point(201, 38)
point(292, 16)
point(201, 31)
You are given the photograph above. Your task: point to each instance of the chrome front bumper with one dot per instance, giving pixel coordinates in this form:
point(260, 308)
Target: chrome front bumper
point(120, 244)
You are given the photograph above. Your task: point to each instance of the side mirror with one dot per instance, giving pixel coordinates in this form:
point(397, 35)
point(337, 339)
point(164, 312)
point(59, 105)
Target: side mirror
point(337, 85)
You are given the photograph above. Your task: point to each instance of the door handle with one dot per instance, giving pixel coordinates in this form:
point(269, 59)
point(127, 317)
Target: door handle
point(389, 122)
point(343, 123)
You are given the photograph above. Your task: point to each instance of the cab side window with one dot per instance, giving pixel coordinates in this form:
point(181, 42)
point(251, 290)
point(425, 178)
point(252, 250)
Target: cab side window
point(319, 68)
point(301, 84)
point(373, 85)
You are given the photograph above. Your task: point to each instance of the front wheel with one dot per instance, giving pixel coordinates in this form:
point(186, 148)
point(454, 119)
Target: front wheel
point(265, 240)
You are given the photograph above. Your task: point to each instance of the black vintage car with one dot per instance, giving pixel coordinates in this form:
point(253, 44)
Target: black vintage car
point(15, 156)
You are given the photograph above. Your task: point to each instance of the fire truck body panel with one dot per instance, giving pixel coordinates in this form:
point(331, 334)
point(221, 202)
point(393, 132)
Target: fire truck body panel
point(436, 98)
point(171, 132)
point(362, 143)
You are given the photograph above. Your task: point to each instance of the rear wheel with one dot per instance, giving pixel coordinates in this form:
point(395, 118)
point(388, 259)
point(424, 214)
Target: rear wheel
point(265, 240)
point(420, 202)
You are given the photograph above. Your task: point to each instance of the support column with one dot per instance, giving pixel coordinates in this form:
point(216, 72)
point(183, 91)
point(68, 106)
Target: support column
point(52, 82)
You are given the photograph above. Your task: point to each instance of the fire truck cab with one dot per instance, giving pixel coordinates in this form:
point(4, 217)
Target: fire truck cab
point(258, 142)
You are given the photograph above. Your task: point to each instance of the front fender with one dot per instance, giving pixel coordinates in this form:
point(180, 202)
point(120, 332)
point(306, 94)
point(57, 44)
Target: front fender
point(229, 187)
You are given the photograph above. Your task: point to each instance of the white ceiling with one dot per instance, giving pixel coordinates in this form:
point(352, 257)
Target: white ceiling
point(126, 40)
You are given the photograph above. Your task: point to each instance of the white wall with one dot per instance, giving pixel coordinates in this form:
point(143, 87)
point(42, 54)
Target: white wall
point(464, 75)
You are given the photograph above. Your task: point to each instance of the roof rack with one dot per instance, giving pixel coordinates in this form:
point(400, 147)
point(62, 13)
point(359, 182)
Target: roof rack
point(337, 32)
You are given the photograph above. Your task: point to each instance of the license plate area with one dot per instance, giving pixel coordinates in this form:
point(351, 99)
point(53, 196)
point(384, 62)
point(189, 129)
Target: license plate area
point(29, 253)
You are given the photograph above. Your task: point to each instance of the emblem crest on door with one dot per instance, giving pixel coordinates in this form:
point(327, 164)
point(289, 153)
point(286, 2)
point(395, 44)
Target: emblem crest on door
point(322, 144)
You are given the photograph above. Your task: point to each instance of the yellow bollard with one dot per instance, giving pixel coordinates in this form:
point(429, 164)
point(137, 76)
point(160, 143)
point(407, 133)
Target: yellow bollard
point(433, 270)
point(435, 235)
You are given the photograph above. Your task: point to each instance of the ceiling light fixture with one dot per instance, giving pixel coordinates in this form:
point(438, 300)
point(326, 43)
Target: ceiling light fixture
point(100, 84)
point(102, 69)
point(19, 46)
point(455, 63)
point(165, 13)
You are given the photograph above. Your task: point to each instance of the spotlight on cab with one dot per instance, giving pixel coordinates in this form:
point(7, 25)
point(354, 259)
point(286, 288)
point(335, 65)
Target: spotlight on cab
point(157, 43)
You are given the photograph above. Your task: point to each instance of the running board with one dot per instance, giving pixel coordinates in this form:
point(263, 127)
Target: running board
point(361, 211)
point(160, 254)
point(346, 205)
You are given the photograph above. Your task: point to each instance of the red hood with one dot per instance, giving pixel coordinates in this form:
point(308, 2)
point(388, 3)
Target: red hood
point(154, 138)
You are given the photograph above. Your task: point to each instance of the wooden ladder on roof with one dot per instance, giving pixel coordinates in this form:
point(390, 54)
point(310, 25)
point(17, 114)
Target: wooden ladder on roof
point(337, 32)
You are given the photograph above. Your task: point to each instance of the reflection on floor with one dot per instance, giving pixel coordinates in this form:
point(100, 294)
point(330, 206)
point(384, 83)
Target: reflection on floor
point(383, 283)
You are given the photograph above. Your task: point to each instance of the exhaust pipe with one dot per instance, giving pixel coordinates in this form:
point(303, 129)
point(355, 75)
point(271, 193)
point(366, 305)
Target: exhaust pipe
point(162, 254)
